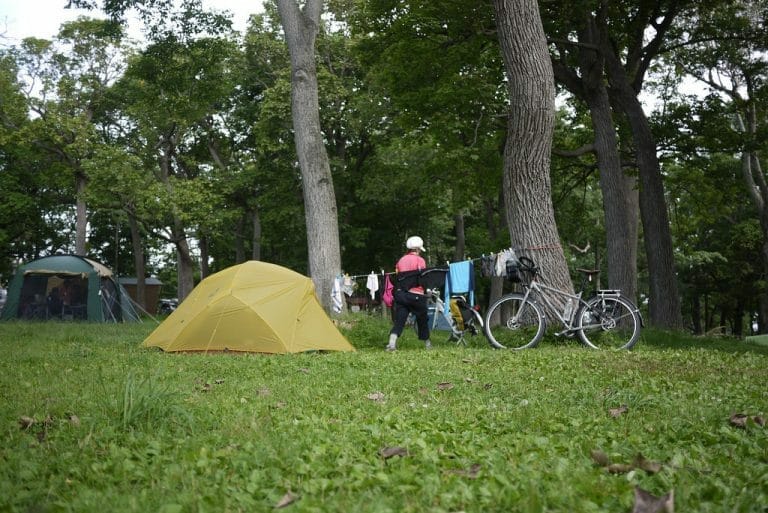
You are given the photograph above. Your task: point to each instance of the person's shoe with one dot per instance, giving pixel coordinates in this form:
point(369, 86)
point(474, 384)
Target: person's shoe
point(391, 348)
point(427, 345)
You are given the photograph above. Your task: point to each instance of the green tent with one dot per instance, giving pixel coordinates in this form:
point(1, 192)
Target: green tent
point(67, 287)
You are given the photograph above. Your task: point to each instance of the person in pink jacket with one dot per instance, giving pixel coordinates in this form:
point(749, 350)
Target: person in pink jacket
point(409, 295)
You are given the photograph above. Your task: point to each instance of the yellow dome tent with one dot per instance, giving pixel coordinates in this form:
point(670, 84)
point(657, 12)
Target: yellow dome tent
point(251, 307)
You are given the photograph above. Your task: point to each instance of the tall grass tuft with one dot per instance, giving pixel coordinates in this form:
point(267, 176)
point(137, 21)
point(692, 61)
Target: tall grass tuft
point(146, 403)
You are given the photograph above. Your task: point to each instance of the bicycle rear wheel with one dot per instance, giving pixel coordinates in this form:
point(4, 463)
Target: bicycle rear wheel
point(514, 322)
point(608, 323)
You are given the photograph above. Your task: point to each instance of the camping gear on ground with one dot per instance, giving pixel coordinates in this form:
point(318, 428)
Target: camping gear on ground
point(250, 307)
point(67, 287)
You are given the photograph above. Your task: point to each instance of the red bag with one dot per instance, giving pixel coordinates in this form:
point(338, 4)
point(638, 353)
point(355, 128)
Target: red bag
point(386, 296)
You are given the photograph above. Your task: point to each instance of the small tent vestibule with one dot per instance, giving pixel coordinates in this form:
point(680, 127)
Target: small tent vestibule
point(67, 287)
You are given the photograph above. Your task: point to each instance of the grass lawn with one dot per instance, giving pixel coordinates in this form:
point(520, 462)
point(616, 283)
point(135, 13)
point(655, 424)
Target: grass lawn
point(90, 421)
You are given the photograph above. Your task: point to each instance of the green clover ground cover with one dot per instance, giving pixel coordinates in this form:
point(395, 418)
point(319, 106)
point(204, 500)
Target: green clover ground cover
point(92, 422)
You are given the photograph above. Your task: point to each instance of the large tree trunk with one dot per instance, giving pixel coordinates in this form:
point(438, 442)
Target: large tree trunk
point(665, 309)
point(300, 26)
point(620, 200)
point(527, 153)
point(757, 190)
point(620, 196)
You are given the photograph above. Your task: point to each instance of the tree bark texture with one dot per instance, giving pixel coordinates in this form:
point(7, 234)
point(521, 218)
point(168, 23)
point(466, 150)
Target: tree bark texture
point(620, 196)
point(757, 190)
point(81, 219)
point(619, 190)
point(527, 152)
point(301, 26)
point(665, 308)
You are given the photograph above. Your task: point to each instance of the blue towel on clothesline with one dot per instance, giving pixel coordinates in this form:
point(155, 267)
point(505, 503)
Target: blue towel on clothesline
point(460, 280)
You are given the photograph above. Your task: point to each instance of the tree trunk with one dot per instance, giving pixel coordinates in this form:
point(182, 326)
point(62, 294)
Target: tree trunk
point(184, 264)
point(81, 220)
point(527, 151)
point(138, 262)
point(665, 310)
point(460, 249)
point(240, 239)
point(757, 189)
point(620, 197)
point(256, 238)
point(300, 26)
point(696, 312)
point(204, 256)
point(185, 267)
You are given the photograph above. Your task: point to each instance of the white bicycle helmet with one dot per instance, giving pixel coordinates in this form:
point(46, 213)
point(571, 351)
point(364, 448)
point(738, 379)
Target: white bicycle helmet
point(415, 242)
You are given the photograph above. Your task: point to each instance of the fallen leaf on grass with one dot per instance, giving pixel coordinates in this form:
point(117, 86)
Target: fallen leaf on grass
point(219, 381)
point(26, 422)
point(648, 503)
point(615, 412)
point(288, 499)
point(619, 468)
point(391, 452)
point(376, 396)
point(74, 420)
point(652, 467)
point(600, 458)
point(471, 472)
point(304, 370)
point(640, 461)
point(740, 420)
point(444, 386)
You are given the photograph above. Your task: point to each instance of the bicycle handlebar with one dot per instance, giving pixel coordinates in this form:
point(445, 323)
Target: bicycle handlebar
point(528, 265)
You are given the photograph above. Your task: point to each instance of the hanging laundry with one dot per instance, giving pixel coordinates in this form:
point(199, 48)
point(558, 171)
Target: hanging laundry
point(372, 284)
point(501, 261)
point(387, 296)
point(487, 264)
point(348, 286)
point(460, 280)
point(336, 299)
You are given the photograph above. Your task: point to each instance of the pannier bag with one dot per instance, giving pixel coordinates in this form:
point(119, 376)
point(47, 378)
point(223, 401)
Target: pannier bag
point(513, 270)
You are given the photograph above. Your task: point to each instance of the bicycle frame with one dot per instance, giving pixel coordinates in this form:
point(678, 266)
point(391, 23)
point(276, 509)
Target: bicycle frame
point(535, 290)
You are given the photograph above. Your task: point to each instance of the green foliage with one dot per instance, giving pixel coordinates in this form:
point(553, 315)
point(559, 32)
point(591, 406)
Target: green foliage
point(146, 404)
point(453, 429)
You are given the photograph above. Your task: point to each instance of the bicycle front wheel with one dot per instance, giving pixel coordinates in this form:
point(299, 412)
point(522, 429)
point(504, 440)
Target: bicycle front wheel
point(514, 322)
point(608, 323)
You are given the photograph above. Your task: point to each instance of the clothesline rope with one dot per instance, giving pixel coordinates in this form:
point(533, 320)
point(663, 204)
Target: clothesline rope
point(531, 248)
